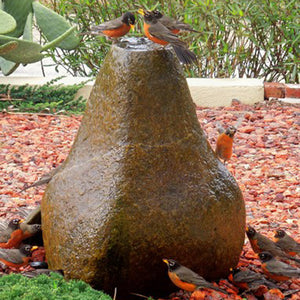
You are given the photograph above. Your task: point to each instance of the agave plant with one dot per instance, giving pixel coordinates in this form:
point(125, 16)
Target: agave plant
point(16, 38)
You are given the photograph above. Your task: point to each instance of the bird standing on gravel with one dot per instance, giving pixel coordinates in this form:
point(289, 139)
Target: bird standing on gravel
point(277, 270)
point(187, 279)
point(286, 243)
point(261, 243)
point(17, 257)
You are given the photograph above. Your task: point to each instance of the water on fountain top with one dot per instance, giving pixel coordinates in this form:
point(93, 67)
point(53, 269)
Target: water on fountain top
point(136, 44)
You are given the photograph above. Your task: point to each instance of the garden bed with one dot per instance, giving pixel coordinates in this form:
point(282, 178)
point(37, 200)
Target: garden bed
point(265, 163)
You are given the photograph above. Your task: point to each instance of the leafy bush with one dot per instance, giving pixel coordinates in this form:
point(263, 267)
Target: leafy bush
point(49, 97)
point(16, 286)
point(258, 38)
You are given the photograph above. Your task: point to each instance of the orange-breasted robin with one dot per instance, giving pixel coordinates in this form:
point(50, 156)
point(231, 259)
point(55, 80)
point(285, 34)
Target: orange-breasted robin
point(173, 25)
point(225, 143)
point(187, 279)
point(17, 257)
point(275, 269)
point(7, 229)
point(261, 243)
point(286, 243)
point(249, 280)
point(115, 28)
point(159, 34)
point(21, 232)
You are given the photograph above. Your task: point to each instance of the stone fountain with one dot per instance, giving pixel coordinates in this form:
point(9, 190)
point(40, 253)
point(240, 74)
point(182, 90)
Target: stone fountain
point(141, 183)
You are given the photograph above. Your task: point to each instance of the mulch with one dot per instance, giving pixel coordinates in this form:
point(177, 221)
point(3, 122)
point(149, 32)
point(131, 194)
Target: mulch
point(265, 164)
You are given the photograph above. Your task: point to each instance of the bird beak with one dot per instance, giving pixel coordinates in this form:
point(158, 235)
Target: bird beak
point(34, 248)
point(247, 228)
point(165, 261)
point(141, 11)
point(132, 26)
point(21, 221)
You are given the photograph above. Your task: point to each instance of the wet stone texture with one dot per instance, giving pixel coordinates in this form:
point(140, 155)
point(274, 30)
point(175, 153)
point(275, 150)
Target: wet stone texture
point(141, 183)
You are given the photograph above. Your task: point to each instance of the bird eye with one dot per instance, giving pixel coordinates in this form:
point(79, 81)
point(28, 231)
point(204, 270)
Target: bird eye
point(171, 263)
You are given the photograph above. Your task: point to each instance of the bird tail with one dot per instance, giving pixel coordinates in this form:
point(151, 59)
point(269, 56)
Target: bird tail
point(184, 55)
point(186, 27)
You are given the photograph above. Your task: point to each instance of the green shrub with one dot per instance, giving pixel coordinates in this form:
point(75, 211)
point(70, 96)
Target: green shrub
point(45, 98)
point(258, 38)
point(16, 286)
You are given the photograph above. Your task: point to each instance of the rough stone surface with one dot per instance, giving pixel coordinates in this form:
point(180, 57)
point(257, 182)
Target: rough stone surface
point(141, 183)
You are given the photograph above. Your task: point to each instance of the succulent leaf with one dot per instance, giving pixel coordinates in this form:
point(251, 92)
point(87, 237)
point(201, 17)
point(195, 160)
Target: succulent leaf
point(7, 22)
point(53, 25)
point(19, 9)
point(26, 52)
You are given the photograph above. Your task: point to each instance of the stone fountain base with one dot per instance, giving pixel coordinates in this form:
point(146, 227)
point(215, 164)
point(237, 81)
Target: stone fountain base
point(141, 183)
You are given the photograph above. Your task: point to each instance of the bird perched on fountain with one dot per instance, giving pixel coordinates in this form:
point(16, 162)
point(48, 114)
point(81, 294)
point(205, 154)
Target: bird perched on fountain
point(249, 280)
point(286, 243)
point(17, 257)
point(187, 279)
point(275, 269)
point(159, 34)
point(173, 25)
point(114, 28)
point(261, 243)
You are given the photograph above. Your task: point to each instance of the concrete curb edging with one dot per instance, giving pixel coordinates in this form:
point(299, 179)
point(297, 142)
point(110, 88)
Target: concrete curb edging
point(204, 91)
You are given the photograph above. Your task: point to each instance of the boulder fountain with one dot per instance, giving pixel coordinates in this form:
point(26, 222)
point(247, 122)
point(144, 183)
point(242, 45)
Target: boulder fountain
point(141, 183)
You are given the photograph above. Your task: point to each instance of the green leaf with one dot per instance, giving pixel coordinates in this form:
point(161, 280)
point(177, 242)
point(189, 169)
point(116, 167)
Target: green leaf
point(27, 34)
point(19, 9)
point(7, 67)
point(26, 52)
point(7, 22)
point(62, 37)
point(8, 47)
point(53, 25)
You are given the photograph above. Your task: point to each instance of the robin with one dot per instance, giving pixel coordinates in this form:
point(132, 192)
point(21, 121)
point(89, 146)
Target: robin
point(7, 229)
point(115, 28)
point(286, 243)
point(17, 257)
point(186, 279)
point(260, 243)
point(173, 25)
point(225, 143)
point(275, 269)
point(46, 178)
point(20, 233)
point(249, 280)
point(159, 34)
